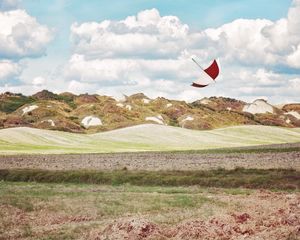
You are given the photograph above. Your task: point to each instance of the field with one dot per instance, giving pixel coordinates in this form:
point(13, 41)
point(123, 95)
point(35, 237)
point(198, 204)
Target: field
point(147, 137)
point(260, 157)
point(184, 184)
point(79, 211)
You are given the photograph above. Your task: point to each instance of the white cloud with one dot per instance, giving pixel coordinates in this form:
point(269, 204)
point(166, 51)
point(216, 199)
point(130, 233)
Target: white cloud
point(79, 87)
point(128, 71)
point(24, 89)
point(39, 81)
point(151, 53)
point(9, 69)
point(241, 41)
point(127, 76)
point(257, 42)
point(21, 35)
point(294, 58)
point(190, 95)
point(250, 84)
point(294, 19)
point(149, 35)
point(266, 78)
point(146, 35)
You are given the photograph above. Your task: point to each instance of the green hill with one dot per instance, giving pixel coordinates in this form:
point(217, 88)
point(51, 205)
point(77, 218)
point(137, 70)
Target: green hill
point(146, 137)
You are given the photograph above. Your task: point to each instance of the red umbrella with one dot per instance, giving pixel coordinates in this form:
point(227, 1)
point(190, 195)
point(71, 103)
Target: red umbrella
point(207, 75)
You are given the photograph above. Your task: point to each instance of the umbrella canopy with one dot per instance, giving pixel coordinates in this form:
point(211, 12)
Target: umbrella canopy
point(208, 75)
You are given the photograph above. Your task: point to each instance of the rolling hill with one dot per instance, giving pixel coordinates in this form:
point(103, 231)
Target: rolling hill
point(146, 137)
point(87, 113)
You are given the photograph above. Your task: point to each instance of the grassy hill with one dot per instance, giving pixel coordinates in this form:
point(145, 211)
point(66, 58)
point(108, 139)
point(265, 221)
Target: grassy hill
point(87, 113)
point(146, 137)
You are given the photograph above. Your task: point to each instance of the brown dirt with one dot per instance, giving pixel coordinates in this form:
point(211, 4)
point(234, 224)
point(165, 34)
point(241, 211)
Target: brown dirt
point(265, 215)
point(261, 215)
point(16, 221)
point(157, 160)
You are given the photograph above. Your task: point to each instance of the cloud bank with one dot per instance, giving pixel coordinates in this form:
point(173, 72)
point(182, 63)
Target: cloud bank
point(21, 36)
point(151, 53)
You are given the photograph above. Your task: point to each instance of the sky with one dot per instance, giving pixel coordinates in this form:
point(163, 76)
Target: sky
point(122, 47)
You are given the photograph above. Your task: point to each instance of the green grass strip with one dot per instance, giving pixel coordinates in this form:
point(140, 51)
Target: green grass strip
point(281, 179)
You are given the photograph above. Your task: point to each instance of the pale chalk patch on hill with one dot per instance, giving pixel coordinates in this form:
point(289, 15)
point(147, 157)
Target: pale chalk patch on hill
point(294, 113)
point(169, 105)
point(280, 106)
point(119, 99)
point(188, 118)
point(146, 101)
point(158, 119)
point(120, 105)
point(229, 108)
point(205, 101)
point(128, 107)
point(91, 121)
point(258, 106)
point(29, 109)
point(52, 123)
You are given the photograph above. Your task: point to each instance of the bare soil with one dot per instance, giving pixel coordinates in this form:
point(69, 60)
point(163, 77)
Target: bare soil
point(263, 215)
point(159, 160)
point(260, 215)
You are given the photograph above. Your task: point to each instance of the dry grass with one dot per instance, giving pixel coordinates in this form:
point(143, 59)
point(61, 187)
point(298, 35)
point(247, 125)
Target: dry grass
point(79, 211)
point(35, 207)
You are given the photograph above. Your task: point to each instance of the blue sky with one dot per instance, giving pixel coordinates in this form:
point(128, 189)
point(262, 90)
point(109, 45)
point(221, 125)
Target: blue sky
point(200, 14)
point(68, 46)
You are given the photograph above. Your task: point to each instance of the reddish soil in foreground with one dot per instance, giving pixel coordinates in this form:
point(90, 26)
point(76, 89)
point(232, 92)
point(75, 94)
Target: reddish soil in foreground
point(265, 215)
point(260, 215)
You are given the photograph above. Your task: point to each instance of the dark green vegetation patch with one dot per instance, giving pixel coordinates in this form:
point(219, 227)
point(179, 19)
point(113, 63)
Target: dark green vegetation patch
point(12, 103)
point(281, 179)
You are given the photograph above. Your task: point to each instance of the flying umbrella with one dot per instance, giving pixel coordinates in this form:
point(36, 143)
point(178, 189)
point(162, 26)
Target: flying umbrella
point(207, 75)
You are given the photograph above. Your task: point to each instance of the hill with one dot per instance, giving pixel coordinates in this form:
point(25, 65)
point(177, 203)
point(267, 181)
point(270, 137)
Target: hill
point(148, 137)
point(87, 113)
